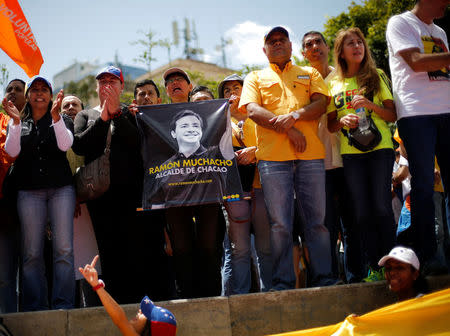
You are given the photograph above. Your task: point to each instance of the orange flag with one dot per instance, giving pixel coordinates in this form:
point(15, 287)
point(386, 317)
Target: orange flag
point(17, 39)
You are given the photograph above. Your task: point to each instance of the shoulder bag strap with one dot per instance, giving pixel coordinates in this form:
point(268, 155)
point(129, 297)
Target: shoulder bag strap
point(236, 135)
point(108, 138)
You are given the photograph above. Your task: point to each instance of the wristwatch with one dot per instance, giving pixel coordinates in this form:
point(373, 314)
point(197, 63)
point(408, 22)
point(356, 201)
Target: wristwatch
point(295, 115)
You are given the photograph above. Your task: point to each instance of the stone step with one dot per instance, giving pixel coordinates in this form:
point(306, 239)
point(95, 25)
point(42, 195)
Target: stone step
point(238, 315)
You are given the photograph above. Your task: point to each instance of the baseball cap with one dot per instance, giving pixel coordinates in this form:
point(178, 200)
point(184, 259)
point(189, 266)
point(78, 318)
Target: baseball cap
point(172, 71)
point(402, 254)
point(230, 78)
point(112, 70)
point(38, 78)
point(162, 321)
point(278, 29)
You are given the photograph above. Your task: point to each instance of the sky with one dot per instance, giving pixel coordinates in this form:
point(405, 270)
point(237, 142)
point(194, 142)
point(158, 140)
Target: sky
point(97, 30)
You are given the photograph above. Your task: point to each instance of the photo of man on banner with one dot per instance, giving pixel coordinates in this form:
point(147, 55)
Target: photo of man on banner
point(188, 154)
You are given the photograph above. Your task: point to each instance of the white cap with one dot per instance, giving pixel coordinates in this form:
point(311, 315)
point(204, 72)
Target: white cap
point(402, 254)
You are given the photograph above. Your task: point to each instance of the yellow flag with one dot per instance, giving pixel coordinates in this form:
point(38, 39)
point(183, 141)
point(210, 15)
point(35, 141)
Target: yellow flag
point(427, 315)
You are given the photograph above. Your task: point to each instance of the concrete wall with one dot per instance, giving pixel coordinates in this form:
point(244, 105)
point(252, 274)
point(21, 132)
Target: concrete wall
point(240, 315)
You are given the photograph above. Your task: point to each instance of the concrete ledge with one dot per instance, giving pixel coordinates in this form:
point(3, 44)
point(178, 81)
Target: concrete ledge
point(275, 312)
point(42, 323)
point(240, 315)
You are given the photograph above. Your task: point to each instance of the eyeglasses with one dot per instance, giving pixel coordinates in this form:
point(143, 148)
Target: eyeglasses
point(174, 79)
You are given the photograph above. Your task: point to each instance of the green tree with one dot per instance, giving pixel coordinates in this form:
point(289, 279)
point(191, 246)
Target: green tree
point(246, 69)
point(4, 76)
point(299, 61)
point(148, 42)
point(371, 16)
point(165, 43)
point(127, 97)
point(199, 78)
point(84, 89)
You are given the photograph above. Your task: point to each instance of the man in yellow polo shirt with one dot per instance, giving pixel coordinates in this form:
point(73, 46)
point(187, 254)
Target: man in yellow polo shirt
point(286, 102)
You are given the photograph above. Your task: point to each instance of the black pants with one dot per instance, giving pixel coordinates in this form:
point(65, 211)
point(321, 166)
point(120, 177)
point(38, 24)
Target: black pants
point(114, 220)
point(196, 234)
point(153, 274)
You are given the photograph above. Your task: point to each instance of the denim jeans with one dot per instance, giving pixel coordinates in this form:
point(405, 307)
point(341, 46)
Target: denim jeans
point(372, 233)
point(226, 266)
point(9, 256)
point(306, 178)
point(424, 137)
point(242, 216)
point(35, 207)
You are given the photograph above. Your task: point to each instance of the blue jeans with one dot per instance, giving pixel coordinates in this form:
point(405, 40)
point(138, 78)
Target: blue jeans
point(424, 137)
point(242, 215)
point(372, 232)
point(35, 207)
point(226, 267)
point(306, 178)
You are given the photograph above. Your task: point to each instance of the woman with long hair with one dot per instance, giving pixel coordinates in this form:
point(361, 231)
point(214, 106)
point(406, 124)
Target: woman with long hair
point(360, 86)
point(39, 137)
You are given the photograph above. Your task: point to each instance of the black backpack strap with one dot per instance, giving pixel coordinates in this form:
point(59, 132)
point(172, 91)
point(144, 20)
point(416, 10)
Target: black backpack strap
point(345, 132)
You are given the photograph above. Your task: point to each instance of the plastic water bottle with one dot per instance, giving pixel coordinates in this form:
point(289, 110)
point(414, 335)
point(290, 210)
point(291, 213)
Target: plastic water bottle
point(363, 124)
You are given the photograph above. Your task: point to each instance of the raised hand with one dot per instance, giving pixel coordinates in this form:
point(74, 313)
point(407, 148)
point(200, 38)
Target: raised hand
point(56, 107)
point(104, 115)
point(112, 100)
point(11, 110)
point(90, 273)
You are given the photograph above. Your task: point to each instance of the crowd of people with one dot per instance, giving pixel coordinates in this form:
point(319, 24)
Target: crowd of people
point(315, 155)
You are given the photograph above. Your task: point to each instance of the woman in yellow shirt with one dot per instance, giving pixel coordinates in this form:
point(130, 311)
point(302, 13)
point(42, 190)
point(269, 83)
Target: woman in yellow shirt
point(360, 85)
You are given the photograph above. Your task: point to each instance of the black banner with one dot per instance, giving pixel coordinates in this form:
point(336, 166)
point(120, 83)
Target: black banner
point(188, 154)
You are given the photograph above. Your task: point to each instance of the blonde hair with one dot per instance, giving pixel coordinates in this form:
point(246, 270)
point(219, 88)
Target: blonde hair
point(367, 77)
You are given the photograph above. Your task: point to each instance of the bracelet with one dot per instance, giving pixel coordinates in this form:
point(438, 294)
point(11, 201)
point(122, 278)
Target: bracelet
point(116, 115)
point(100, 284)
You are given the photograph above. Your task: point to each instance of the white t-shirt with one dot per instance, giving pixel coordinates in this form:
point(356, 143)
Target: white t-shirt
point(417, 93)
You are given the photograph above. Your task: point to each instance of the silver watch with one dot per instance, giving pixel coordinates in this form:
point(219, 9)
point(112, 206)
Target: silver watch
point(295, 115)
